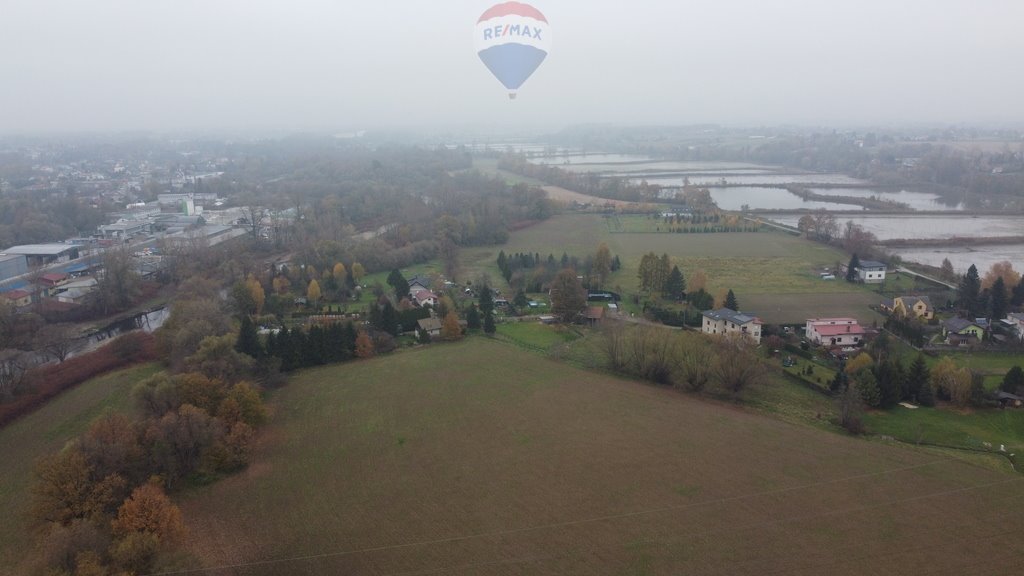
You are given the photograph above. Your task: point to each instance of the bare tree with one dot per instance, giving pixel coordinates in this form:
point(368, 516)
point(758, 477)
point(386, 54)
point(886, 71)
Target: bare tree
point(55, 341)
point(14, 364)
point(737, 366)
point(118, 286)
point(254, 216)
point(615, 344)
point(568, 298)
point(695, 362)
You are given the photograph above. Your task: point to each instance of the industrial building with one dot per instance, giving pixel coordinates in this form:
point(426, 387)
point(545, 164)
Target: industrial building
point(43, 254)
point(12, 265)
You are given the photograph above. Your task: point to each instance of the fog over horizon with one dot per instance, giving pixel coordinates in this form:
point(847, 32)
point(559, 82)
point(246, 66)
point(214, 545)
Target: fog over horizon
point(125, 65)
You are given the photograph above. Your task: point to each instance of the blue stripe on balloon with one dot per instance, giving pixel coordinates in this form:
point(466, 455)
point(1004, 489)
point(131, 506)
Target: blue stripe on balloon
point(512, 63)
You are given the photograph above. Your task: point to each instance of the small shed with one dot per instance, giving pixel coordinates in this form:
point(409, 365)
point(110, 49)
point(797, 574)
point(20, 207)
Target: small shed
point(1007, 400)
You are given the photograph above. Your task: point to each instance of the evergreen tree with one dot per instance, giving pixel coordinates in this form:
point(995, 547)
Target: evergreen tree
point(969, 292)
point(1013, 381)
point(1018, 294)
point(473, 318)
point(841, 380)
point(422, 336)
point(486, 303)
point(675, 287)
point(248, 339)
point(926, 395)
point(315, 349)
point(348, 340)
point(868, 388)
point(947, 272)
point(389, 319)
point(662, 272)
point(399, 284)
point(917, 379)
point(730, 301)
point(901, 379)
point(888, 384)
point(851, 268)
point(998, 302)
point(520, 300)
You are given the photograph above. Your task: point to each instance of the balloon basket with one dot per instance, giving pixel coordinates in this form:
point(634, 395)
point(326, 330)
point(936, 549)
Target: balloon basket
point(511, 95)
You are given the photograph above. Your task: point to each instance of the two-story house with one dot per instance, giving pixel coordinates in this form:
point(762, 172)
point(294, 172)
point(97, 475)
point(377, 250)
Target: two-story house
point(871, 272)
point(726, 321)
point(913, 307)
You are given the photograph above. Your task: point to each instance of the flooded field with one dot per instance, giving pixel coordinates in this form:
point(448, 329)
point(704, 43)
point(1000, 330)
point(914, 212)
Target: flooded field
point(755, 198)
point(915, 200)
point(909, 226)
point(981, 256)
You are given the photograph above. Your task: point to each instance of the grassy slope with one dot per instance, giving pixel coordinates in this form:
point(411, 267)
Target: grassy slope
point(482, 456)
point(47, 430)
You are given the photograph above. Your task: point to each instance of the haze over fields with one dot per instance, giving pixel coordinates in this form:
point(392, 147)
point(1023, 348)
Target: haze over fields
point(317, 64)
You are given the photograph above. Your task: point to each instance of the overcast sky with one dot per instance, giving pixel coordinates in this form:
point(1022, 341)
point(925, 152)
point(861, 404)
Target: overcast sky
point(112, 65)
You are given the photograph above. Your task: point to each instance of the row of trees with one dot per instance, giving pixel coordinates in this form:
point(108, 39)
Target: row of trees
point(1000, 290)
point(533, 273)
point(683, 359)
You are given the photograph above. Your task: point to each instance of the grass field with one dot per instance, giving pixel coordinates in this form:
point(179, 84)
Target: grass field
point(481, 458)
point(952, 427)
point(772, 274)
point(47, 430)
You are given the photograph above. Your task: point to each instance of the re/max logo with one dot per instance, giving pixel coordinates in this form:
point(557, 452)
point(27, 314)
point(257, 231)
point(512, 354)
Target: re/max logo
point(512, 30)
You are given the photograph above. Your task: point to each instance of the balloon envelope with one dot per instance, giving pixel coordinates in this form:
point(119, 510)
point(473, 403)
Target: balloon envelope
point(512, 39)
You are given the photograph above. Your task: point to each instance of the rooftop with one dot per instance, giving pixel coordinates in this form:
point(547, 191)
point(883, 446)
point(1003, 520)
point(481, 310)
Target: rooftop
point(842, 321)
point(731, 316)
point(958, 324)
point(871, 264)
point(838, 329)
point(53, 249)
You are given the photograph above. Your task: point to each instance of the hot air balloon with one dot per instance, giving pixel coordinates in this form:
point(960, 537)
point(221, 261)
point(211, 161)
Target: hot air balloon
point(512, 39)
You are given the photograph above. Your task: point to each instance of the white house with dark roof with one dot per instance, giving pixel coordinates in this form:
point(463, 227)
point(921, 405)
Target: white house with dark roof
point(726, 321)
point(871, 272)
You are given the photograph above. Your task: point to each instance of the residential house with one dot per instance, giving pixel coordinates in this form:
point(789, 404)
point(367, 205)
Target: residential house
point(1015, 322)
point(726, 321)
point(871, 272)
point(18, 298)
point(913, 307)
point(430, 325)
point(963, 332)
point(419, 283)
point(424, 298)
point(834, 331)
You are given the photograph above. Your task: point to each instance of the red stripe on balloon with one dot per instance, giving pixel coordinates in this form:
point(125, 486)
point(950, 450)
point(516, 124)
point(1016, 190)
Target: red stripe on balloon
point(512, 9)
